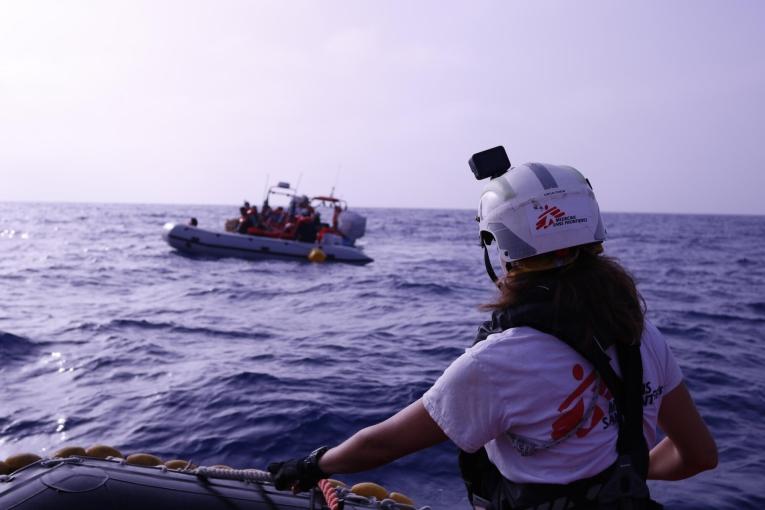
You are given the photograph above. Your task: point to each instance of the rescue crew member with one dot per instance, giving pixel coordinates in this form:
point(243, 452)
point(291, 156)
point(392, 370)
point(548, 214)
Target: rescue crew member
point(566, 378)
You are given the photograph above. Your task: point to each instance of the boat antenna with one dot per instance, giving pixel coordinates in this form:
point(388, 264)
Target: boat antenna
point(265, 190)
point(298, 182)
point(337, 176)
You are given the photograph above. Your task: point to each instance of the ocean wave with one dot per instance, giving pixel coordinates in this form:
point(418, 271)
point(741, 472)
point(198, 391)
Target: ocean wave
point(17, 428)
point(245, 362)
point(721, 317)
point(100, 365)
point(443, 352)
point(143, 324)
point(427, 287)
point(254, 380)
point(15, 348)
point(688, 331)
point(12, 276)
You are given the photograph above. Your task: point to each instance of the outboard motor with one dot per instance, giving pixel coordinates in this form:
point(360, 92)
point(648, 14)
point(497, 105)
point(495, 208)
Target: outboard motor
point(352, 225)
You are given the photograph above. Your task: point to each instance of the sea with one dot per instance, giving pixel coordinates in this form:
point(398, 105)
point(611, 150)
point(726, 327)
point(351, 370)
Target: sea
point(107, 335)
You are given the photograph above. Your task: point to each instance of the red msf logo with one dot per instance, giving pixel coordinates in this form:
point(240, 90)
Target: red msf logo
point(548, 217)
point(572, 408)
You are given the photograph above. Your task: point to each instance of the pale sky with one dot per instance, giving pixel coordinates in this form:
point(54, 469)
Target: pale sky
point(661, 104)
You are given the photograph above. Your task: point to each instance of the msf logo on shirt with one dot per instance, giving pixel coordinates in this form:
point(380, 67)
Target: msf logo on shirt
point(548, 217)
point(574, 406)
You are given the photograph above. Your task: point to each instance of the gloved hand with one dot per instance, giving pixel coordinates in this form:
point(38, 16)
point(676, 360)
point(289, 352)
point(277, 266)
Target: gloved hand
point(298, 474)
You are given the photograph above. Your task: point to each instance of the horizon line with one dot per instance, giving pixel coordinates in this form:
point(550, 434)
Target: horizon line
point(176, 204)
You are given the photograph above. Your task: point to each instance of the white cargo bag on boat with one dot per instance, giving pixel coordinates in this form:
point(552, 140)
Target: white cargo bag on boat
point(352, 225)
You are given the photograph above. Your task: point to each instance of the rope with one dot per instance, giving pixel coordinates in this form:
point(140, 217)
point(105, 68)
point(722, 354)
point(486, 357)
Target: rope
point(243, 475)
point(329, 491)
point(330, 494)
point(256, 475)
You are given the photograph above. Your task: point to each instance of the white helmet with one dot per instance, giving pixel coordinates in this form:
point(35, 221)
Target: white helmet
point(538, 208)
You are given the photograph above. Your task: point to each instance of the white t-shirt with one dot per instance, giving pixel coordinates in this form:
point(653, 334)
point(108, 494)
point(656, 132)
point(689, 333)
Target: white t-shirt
point(531, 384)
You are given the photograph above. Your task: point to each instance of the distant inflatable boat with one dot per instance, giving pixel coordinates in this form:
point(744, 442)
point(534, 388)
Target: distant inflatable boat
point(87, 483)
point(197, 241)
point(292, 231)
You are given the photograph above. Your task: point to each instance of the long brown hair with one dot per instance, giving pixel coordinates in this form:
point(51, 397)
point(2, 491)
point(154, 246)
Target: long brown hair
point(592, 287)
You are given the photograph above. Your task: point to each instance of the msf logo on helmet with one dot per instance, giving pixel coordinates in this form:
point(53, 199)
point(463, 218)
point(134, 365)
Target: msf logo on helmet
point(548, 217)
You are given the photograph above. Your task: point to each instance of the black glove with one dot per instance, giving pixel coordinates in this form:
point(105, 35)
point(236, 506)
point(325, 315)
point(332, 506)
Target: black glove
point(298, 474)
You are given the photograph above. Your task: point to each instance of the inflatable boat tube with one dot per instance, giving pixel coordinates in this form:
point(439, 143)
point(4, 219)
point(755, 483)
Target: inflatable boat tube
point(197, 241)
point(99, 484)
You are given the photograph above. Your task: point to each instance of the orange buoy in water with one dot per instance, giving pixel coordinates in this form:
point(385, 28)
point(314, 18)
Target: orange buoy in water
point(317, 255)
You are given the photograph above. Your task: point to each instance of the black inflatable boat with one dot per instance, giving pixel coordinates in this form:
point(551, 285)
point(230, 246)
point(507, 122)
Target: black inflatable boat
point(85, 483)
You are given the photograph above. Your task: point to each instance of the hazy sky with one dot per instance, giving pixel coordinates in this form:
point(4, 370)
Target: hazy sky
point(661, 104)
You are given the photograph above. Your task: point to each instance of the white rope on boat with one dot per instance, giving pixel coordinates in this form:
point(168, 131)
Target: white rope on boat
point(256, 475)
point(243, 475)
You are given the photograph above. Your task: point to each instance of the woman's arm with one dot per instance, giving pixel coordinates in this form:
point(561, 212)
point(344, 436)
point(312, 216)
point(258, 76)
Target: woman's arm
point(689, 447)
point(409, 430)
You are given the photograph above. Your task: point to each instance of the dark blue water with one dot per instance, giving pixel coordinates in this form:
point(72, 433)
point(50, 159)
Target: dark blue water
point(109, 336)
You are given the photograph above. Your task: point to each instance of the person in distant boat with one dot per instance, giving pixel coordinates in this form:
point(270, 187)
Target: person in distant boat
point(254, 216)
point(278, 218)
point(245, 220)
point(265, 216)
point(557, 402)
point(306, 229)
point(300, 207)
point(306, 210)
point(193, 222)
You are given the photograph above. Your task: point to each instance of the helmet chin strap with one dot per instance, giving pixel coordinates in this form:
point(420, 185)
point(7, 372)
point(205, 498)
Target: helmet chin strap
point(487, 262)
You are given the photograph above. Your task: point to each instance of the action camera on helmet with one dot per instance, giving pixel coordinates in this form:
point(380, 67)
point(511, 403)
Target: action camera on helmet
point(490, 163)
